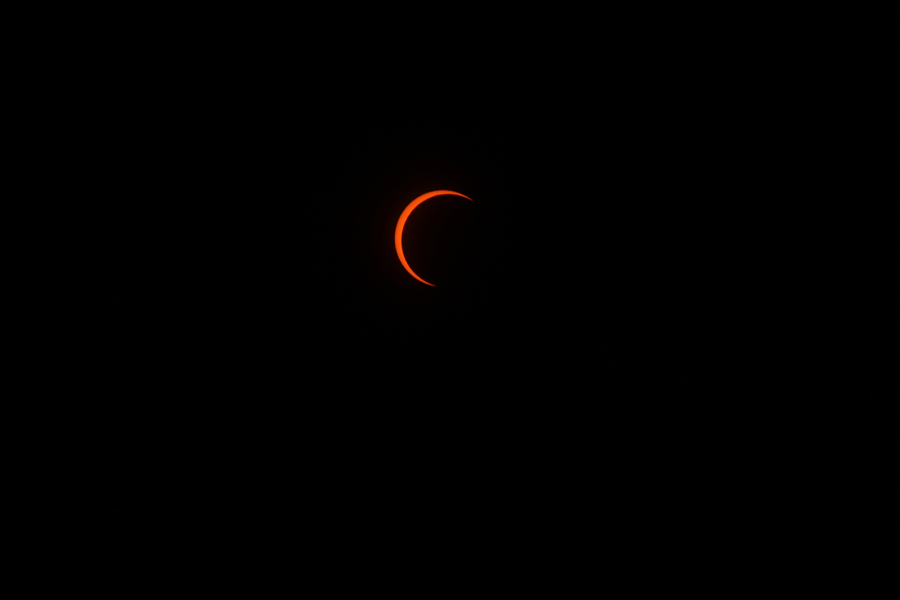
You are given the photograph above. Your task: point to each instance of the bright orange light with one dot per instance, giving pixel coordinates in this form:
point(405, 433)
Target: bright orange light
point(398, 234)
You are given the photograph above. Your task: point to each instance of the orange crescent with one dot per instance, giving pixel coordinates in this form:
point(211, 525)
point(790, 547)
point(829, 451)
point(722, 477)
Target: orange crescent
point(398, 234)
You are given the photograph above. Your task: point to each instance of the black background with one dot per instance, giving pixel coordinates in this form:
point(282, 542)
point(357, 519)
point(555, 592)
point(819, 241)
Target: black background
point(606, 383)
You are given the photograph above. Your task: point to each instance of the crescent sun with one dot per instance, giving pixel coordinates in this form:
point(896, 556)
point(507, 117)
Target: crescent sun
point(398, 234)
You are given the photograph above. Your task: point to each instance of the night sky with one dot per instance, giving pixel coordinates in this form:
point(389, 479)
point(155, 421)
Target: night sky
point(604, 384)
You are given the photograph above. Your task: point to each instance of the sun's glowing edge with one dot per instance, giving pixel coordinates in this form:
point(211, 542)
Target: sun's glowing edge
point(398, 233)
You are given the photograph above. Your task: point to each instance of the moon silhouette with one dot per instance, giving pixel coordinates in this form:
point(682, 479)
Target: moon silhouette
point(398, 234)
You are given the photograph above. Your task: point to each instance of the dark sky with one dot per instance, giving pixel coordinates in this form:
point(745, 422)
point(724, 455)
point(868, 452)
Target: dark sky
point(606, 372)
